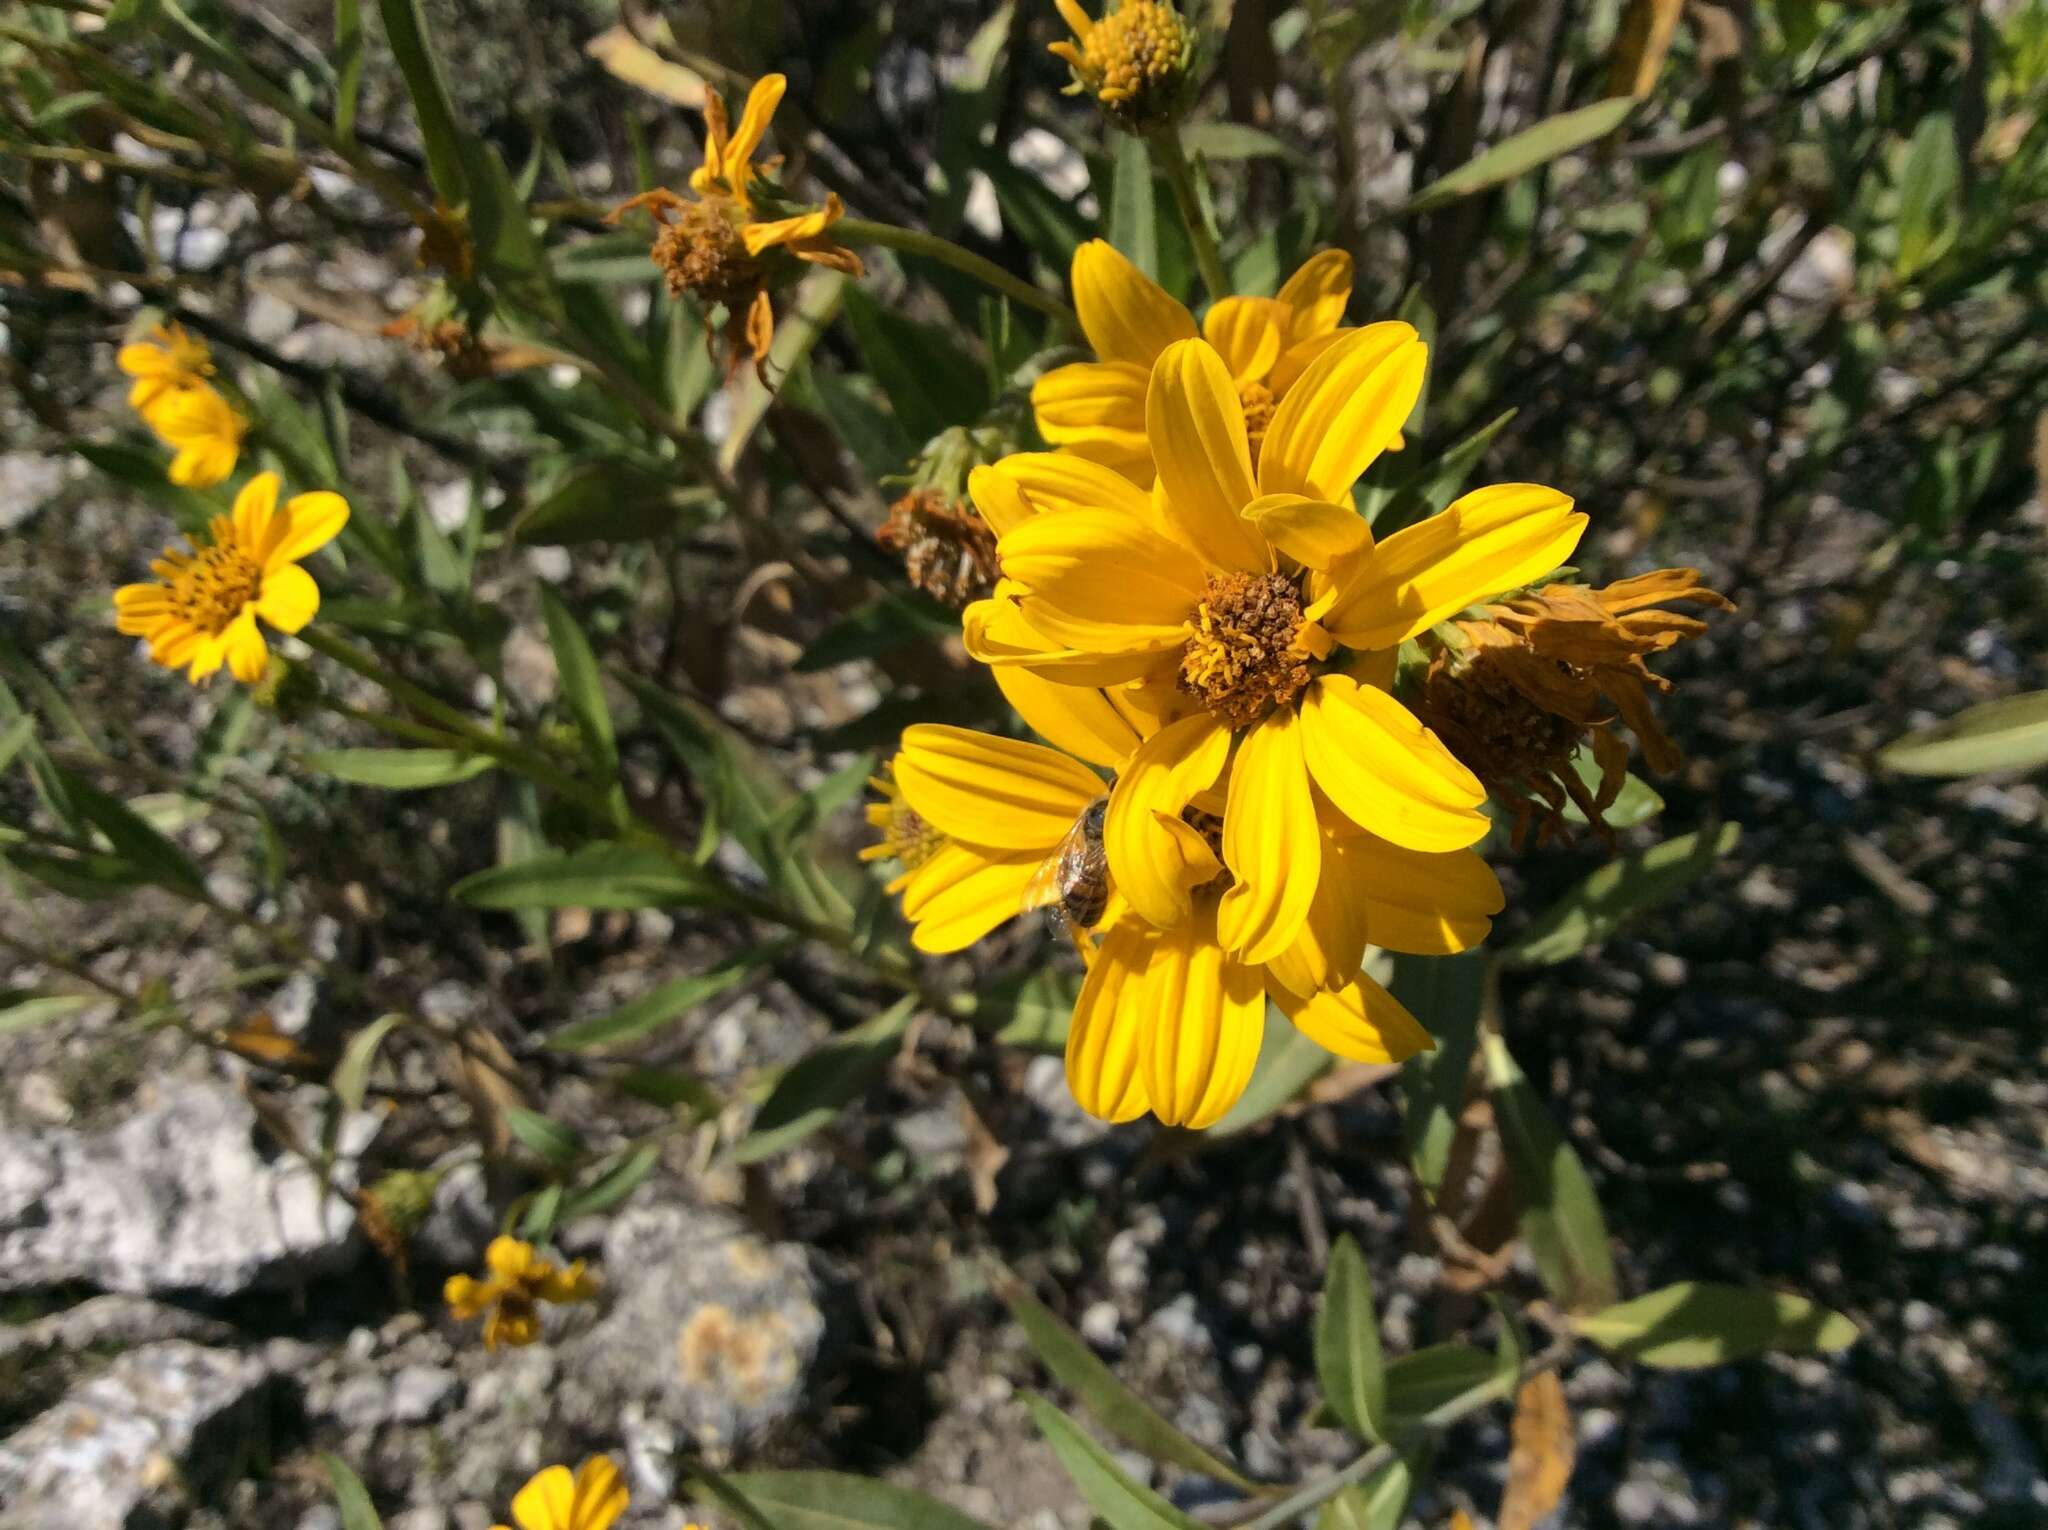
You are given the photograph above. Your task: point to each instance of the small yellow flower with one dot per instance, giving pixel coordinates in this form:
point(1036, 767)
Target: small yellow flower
point(203, 429)
point(163, 361)
point(509, 1297)
point(553, 1500)
point(203, 608)
point(1134, 60)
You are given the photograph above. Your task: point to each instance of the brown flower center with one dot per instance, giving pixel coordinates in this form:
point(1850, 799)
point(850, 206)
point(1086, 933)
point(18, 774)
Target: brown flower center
point(1242, 661)
point(1258, 403)
point(1492, 724)
point(703, 254)
point(210, 587)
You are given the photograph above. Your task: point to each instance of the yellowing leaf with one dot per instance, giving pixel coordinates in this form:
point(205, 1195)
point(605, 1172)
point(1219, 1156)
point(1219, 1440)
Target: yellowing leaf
point(625, 57)
point(1540, 1459)
point(1640, 45)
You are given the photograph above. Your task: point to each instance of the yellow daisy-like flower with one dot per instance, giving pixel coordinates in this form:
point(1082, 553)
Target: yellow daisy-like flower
point(163, 361)
point(1134, 61)
point(1097, 408)
point(203, 429)
point(717, 245)
point(202, 611)
point(1230, 592)
point(591, 1500)
point(508, 1298)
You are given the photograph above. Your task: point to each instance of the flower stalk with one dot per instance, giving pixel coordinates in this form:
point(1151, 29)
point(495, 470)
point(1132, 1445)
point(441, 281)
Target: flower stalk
point(1172, 156)
point(910, 241)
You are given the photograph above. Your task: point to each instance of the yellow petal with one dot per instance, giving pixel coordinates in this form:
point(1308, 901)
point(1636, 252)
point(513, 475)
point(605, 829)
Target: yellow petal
point(204, 464)
point(746, 138)
point(1316, 295)
point(962, 893)
point(1342, 412)
point(1425, 905)
point(247, 655)
point(289, 598)
point(465, 1296)
point(1312, 532)
point(547, 1502)
point(309, 523)
point(1104, 1037)
point(1199, 447)
point(1386, 772)
point(1160, 779)
point(508, 1258)
point(995, 632)
point(1100, 580)
point(1076, 718)
point(1297, 358)
point(763, 236)
point(1271, 842)
point(1246, 332)
point(1361, 1022)
point(999, 498)
point(1095, 403)
point(254, 507)
point(999, 792)
point(1130, 456)
point(1126, 315)
point(1078, 21)
point(1490, 540)
point(1203, 1018)
point(600, 1490)
point(1063, 481)
point(1327, 951)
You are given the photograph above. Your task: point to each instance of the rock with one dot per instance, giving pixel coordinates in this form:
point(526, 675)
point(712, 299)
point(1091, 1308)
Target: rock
point(177, 1197)
point(167, 1420)
point(421, 1392)
point(711, 1332)
point(459, 1224)
point(109, 1322)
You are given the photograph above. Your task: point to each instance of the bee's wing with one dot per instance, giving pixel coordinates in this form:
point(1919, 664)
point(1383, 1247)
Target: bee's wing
point(1043, 889)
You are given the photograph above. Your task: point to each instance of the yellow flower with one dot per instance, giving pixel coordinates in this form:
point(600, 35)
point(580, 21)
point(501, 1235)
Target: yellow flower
point(509, 1298)
point(205, 431)
point(1097, 408)
point(164, 360)
point(1134, 61)
point(1224, 597)
point(553, 1500)
point(719, 245)
point(202, 610)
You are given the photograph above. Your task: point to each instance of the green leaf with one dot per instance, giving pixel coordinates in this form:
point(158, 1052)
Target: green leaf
point(14, 737)
point(812, 1092)
point(1420, 1383)
point(548, 1140)
point(651, 1011)
point(1119, 1500)
point(348, 66)
point(90, 876)
point(405, 26)
point(1232, 140)
point(351, 1079)
point(21, 1008)
point(1446, 993)
point(1374, 1504)
point(1348, 1360)
point(613, 1183)
point(1696, 1323)
point(350, 1496)
point(882, 626)
point(1032, 1010)
point(606, 501)
point(859, 411)
point(2011, 734)
point(1434, 485)
point(1288, 1063)
point(398, 770)
point(818, 298)
point(601, 875)
point(1638, 803)
point(1119, 1410)
point(1607, 899)
point(1929, 181)
point(582, 688)
point(1561, 1219)
point(669, 1087)
point(840, 1501)
point(134, 841)
point(930, 381)
point(1133, 210)
point(1524, 151)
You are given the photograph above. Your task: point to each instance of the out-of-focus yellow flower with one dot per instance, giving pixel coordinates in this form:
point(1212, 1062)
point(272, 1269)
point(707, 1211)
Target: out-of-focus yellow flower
point(163, 361)
point(203, 429)
point(203, 608)
point(1096, 409)
point(1134, 60)
point(508, 1298)
point(721, 245)
point(553, 1500)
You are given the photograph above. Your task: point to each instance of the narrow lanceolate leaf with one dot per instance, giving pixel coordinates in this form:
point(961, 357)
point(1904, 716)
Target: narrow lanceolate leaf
point(1999, 735)
point(1122, 1503)
point(841, 1501)
point(1420, 1383)
point(1348, 1360)
point(582, 689)
point(653, 1010)
point(824, 1083)
point(398, 770)
point(546, 1139)
point(1607, 899)
point(131, 838)
point(1119, 1410)
point(1561, 1219)
point(1928, 182)
point(1445, 993)
point(1524, 151)
point(1374, 1504)
point(351, 1498)
point(406, 27)
point(1133, 213)
point(1541, 1454)
point(352, 1074)
point(1696, 1323)
point(21, 1009)
point(601, 875)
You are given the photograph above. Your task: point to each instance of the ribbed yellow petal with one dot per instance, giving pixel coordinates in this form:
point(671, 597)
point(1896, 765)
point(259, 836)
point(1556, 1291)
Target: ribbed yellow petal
point(1312, 532)
point(1361, 1022)
point(1196, 426)
point(203, 464)
point(1161, 778)
point(1102, 581)
point(1094, 403)
point(289, 598)
point(1076, 718)
point(1386, 772)
point(764, 236)
point(1316, 295)
point(309, 523)
point(1246, 332)
point(254, 507)
point(963, 893)
point(999, 792)
point(547, 1502)
point(1104, 1039)
point(1342, 413)
point(1295, 361)
point(1327, 951)
point(999, 498)
point(1079, 22)
point(1490, 540)
point(746, 138)
point(995, 632)
point(1425, 905)
point(600, 1492)
point(1204, 1016)
point(141, 360)
point(1272, 842)
point(1126, 315)
point(1063, 481)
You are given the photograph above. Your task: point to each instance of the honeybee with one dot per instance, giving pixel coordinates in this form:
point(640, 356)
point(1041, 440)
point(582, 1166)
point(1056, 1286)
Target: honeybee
point(1074, 880)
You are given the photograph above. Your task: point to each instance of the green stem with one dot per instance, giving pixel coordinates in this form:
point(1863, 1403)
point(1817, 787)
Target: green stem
point(916, 242)
point(1181, 176)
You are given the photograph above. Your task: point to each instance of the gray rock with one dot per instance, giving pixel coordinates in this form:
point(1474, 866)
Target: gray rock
point(164, 1420)
point(175, 1198)
point(109, 1322)
point(421, 1392)
point(711, 1330)
point(459, 1224)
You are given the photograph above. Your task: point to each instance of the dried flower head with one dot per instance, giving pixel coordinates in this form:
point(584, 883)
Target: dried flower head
point(948, 550)
point(1538, 675)
point(508, 1297)
point(1134, 60)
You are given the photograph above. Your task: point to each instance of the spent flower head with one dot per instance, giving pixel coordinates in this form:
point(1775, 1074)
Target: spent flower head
point(1134, 60)
point(517, 1280)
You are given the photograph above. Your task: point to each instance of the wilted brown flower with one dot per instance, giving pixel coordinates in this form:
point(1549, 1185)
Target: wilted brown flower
point(1548, 670)
point(948, 550)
